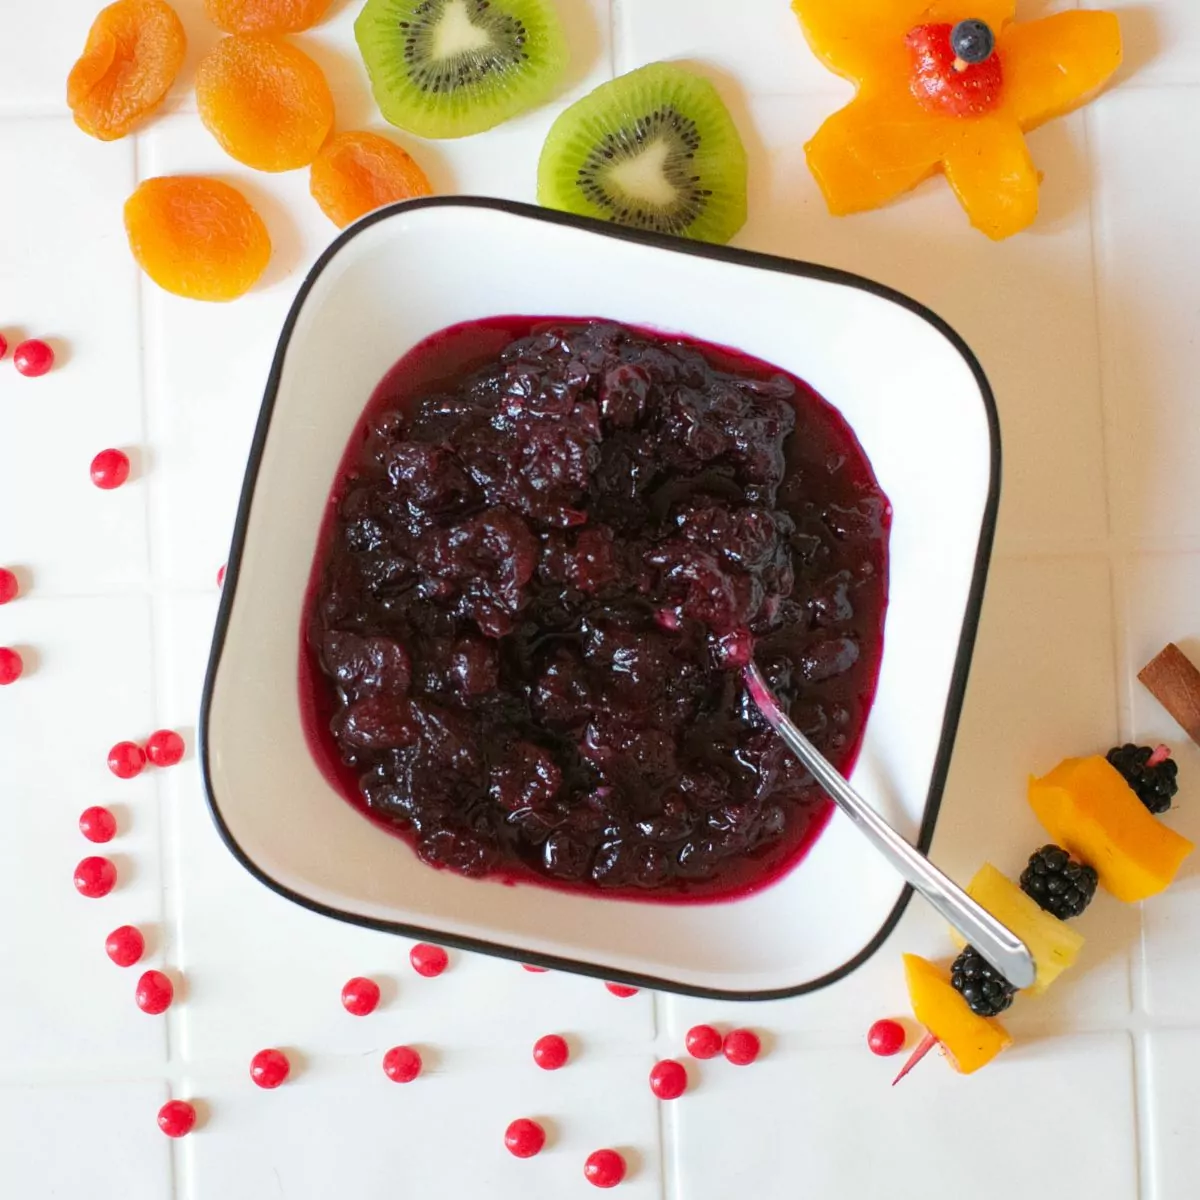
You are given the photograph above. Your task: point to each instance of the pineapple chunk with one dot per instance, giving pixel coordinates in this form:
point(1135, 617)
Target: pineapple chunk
point(970, 1042)
point(1053, 943)
point(1088, 808)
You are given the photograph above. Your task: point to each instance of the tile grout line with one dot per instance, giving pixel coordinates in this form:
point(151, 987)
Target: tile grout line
point(166, 889)
point(1118, 566)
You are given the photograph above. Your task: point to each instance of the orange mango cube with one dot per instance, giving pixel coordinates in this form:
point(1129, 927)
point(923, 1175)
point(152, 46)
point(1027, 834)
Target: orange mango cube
point(1087, 808)
point(970, 1042)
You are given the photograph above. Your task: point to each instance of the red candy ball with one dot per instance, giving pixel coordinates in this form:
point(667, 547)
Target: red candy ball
point(177, 1118)
point(741, 1046)
point(33, 357)
point(126, 759)
point(886, 1038)
point(703, 1041)
point(154, 993)
point(621, 989)
point(221, 575)
point(604, 1168)
point(551, 1052)
point(668, 1079)
point(402, 1064)
point(524, 1138)
point(11, 666)
point(125, 945)
point(269, 1068)
point(97, 824)
point(428, 960)
point(95, 877)
point(110, 469)
point(533, 970)
point(360, 997)
point(164, 748)
point(3, 345)
point(8, 586)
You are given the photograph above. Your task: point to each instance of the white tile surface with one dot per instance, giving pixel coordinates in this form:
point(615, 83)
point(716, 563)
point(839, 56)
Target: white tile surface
point(95, 1140)
point(343, 1128)
point(759, 43)
point(826, 1125)
point(1173, 1060)
point(56, 250)
point(116, 627)
point(87, 685)
point(1148, 308)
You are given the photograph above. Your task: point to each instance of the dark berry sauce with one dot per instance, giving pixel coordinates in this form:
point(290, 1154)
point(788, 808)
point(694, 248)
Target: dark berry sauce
point(549, 546)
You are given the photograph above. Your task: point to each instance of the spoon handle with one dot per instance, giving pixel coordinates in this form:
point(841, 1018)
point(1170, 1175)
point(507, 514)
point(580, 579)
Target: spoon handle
point(1006, 952)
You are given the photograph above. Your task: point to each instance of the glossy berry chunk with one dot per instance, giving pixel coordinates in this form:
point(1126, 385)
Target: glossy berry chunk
point(668, 1079)
point(532, 969)
point(125, 945)
point(622, 990)
point(177, 1118)
point(270, 1068)
point(126, 759)
point(886, 1038)
point(972, 41)
point(551, 1052)
point(97, 824)
point(402, 1064)
point(428, 960)
point(703, 1041)
point(8, 586)
point(604, 1168)
point(11, 666)
point(741, 1046)
point(154, 993)
point(524, 1138)
point(164, 748)
point(221, 574)
point(510, 540)
point(360, 997)
point(95, 877)
point(33, 358)
point(110, 469)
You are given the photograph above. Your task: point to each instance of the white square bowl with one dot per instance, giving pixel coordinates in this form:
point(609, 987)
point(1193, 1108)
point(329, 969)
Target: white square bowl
point(910, 389)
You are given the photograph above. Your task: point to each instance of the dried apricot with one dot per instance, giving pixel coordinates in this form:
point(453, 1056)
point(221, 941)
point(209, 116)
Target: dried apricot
point(266, 102)
point(356, 173)
point(196, 237)
point(134, 51)
point(265, 16)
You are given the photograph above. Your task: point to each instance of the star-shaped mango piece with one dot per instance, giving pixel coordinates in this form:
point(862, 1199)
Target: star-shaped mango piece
point(886, 140)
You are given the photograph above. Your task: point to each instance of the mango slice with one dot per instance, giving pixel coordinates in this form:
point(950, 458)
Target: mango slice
point(1053, 943)
point(884, 142)
point(970, 1042)
point(1088, 808)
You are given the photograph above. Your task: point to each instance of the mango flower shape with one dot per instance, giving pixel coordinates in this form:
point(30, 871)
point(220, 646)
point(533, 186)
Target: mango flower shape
point(949, 86)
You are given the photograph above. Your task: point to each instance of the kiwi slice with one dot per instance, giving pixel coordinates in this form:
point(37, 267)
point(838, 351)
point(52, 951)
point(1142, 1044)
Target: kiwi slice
point(655, 149)
point(447, 68)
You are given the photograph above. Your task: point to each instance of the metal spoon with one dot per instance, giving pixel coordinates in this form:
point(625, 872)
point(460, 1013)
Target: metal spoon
point(1003, 949)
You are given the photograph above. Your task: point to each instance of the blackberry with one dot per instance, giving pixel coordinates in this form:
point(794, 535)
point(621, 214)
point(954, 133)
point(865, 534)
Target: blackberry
point(1152, 773)
point(1063, 887)
point(985, 990)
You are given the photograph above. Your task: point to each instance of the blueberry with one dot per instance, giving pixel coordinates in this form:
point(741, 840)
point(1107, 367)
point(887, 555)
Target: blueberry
point(973, 41)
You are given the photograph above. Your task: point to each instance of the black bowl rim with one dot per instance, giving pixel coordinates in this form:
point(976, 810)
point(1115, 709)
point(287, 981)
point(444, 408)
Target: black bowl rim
point(959, 676)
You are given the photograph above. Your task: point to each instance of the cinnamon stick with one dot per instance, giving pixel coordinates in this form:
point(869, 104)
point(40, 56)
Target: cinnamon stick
point(1173, 680)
